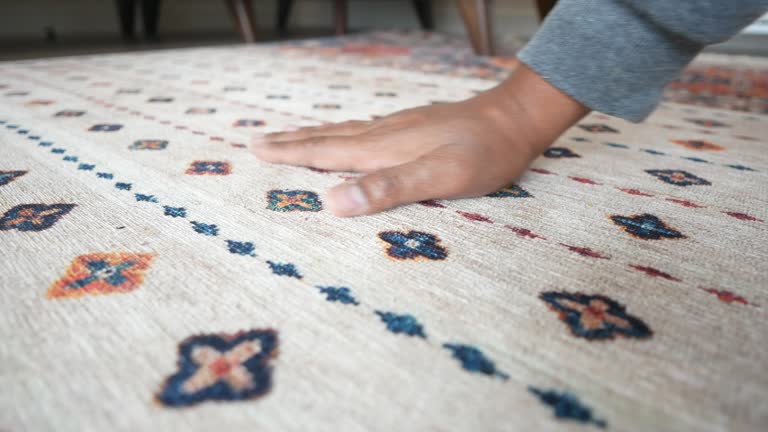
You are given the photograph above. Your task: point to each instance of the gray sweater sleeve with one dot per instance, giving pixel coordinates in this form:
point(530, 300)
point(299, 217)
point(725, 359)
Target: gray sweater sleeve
point(616, 56)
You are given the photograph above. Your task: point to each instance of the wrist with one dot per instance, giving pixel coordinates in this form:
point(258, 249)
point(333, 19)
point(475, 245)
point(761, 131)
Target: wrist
point(538, 111)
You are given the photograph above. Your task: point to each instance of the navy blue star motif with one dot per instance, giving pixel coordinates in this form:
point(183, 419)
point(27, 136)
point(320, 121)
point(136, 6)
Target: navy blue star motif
point(560, 152)
point(678, 177)
point(646, 226)
point(598, 127)
point(9, 176)
point(33, 217)
point(413, 245)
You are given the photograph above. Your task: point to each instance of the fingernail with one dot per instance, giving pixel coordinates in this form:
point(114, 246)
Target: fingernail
point(347, 199)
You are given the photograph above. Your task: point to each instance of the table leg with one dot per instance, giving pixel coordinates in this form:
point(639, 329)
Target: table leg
point(424, 11)
point(242, 11)
point(340, 8)
point(544, 7)
point(150, 10)
point(126, 10)
point(283, 12)
point(478, 24)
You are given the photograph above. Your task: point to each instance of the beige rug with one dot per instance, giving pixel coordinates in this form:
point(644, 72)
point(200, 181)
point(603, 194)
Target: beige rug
point(156, 276)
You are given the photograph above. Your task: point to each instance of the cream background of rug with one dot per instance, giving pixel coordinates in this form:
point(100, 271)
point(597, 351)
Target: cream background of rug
point(94, 363)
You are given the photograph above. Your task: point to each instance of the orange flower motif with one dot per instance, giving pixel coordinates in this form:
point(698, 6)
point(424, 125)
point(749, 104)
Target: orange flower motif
point(101, 273)
point(221, 367)
point(293, 200)
point(33, 217)
point(209, 168)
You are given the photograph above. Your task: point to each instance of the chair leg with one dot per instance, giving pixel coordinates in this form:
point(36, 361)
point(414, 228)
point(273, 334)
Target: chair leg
point(544, 7)
point(242, 11)
point(340, 8)
point(150, 10)
point(478, 24)
point(126, 10)
point(283, 12)
point(424, 11)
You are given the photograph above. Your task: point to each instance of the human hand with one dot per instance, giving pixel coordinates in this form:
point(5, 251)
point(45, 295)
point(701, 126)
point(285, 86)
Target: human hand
point(450, 150)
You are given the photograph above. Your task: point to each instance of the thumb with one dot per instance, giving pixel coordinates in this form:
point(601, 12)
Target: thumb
point(410, 182)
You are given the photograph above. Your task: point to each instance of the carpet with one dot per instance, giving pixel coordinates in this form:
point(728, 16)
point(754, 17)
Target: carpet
point(156, 276)
point(738, 83)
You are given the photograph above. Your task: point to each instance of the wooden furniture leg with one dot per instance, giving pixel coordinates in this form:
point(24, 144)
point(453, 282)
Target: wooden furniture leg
point(544, 7)
point(126, 10)
point(242, 12)
point(283, 12)
point(478, 24)
point(424, 11)
point(150, 11)
point(340, 8)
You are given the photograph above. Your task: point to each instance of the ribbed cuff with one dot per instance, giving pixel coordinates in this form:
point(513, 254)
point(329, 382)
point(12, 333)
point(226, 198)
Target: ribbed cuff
point(607, 56)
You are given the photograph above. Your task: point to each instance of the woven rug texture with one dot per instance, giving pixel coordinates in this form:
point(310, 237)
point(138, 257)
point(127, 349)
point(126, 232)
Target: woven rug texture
point(157, 276)
point(730, 82)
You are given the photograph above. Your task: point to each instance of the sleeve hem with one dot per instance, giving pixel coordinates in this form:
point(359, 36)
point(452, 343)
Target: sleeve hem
point(607, 57)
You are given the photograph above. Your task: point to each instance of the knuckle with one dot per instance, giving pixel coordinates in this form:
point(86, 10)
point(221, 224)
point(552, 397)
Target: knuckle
point(314, 151)
point(383, 189)
point(312, 143)
point(270, 148)
point(268, 152)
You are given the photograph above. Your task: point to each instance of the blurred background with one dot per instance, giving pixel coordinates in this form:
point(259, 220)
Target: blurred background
point(44, 28)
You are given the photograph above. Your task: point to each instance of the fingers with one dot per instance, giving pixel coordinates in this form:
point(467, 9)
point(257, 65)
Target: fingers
point(326, 152)
point(352, 127)
point(362, 153)
point(434, 175)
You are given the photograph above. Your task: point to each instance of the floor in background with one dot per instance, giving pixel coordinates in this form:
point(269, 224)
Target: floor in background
point(156, 276)
point(26, 49)
point(713, 80)
point(723, 77)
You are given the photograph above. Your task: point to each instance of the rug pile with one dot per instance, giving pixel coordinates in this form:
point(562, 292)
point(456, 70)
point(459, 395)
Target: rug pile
point(738, 83)
point(156, 276)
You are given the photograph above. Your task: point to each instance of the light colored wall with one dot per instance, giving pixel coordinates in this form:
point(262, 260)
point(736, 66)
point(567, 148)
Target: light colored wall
point(70, 18)
point(758, 27)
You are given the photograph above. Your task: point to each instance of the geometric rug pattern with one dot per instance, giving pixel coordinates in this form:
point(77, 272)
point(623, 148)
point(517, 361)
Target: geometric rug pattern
point(156, 275)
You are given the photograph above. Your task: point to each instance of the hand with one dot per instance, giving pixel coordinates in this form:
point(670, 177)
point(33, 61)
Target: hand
point(450, 150)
